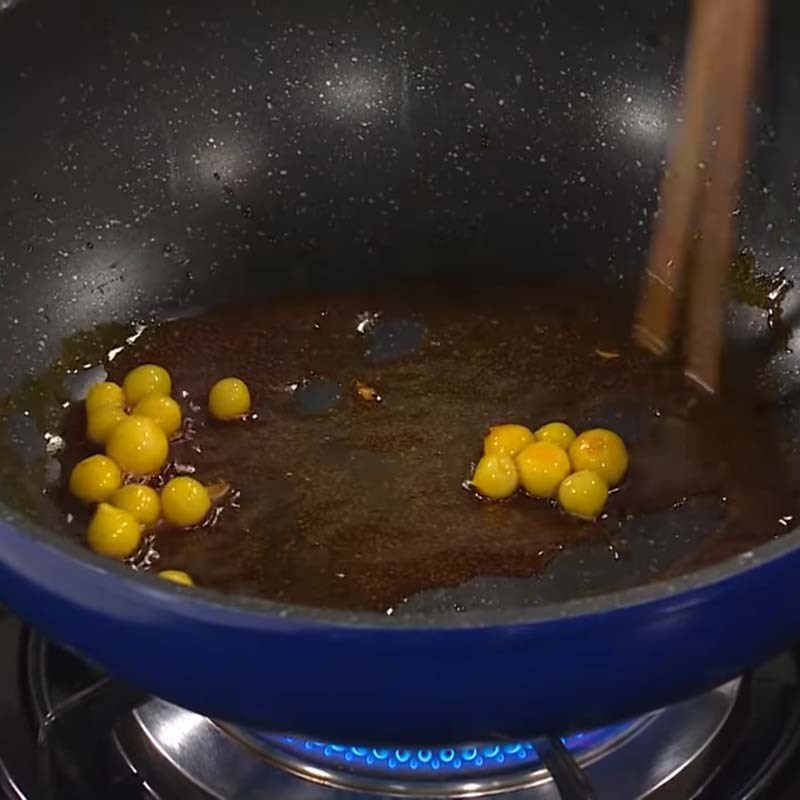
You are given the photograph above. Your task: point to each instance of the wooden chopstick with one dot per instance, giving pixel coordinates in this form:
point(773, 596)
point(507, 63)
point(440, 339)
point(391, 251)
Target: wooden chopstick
point(724, 44)
point(655, 319)
point(707, 296)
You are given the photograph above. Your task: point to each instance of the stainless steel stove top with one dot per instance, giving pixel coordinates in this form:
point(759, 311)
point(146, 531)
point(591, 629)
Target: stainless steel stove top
point(98, 739)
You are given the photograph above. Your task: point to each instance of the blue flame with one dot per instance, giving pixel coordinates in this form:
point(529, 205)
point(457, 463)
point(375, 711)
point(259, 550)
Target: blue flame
point(424, 762)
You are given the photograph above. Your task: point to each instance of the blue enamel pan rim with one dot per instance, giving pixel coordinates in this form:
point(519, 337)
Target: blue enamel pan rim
point(215, 607)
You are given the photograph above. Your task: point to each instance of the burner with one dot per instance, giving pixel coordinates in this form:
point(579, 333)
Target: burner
point(486, 768)
point(441, 763)
point(728, 744)
point(167, 744)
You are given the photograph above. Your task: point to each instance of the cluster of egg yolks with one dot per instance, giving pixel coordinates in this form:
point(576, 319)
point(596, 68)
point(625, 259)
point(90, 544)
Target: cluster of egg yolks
point(133, 422)
point(552, 463)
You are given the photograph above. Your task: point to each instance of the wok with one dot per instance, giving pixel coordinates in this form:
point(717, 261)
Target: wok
point(157, 157)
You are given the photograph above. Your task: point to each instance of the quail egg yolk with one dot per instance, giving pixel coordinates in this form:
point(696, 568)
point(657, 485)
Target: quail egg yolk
point(94, 479)
point(557, 433)
point(114, 532)
point(185, 502)
point(229, 399)
point(542, 466)
point(176, 576)
point(495, 477)
point(141, 502)
point(144, 380)
point(161, 408)
point(583, 494)
point(104, 394)
point(600, 451)
point(507, 440)
point(101, 421)
point(138, 445)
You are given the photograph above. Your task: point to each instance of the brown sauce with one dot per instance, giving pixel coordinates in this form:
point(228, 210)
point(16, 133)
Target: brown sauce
point(347, 502)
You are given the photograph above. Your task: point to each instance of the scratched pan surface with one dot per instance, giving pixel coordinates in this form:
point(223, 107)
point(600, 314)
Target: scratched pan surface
point(160, 158)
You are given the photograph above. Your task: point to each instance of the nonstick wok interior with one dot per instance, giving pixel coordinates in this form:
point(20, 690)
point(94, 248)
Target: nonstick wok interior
point(178, 159)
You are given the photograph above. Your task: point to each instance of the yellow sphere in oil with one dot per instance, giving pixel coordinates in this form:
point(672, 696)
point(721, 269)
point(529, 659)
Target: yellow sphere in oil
point(114, 532)
point(507, 439)
point(94, 479)
point(495, 477)
point(101, 422)
point(583, 494)
point(103, 394)
point(144, 380)
point(141, 502)
point(163, 409)
point(601, 451)
point(229, 399)
point(138, 445)
point(542, 466)
point(558, 433)
point(185, 502)
point(176, 576)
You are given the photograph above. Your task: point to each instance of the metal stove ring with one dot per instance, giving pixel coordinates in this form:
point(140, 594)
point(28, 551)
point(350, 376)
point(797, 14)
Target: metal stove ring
point(177, 753)
point(194, 757)
point(484, 784)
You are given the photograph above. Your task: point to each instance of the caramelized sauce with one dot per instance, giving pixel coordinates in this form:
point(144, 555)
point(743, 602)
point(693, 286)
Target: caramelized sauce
point(349, 501)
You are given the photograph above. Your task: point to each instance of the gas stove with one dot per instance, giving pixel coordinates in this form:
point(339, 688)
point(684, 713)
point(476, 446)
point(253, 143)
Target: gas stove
point(67, 732)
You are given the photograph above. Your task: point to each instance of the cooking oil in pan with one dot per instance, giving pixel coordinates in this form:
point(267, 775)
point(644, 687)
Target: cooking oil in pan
point(369, 411)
